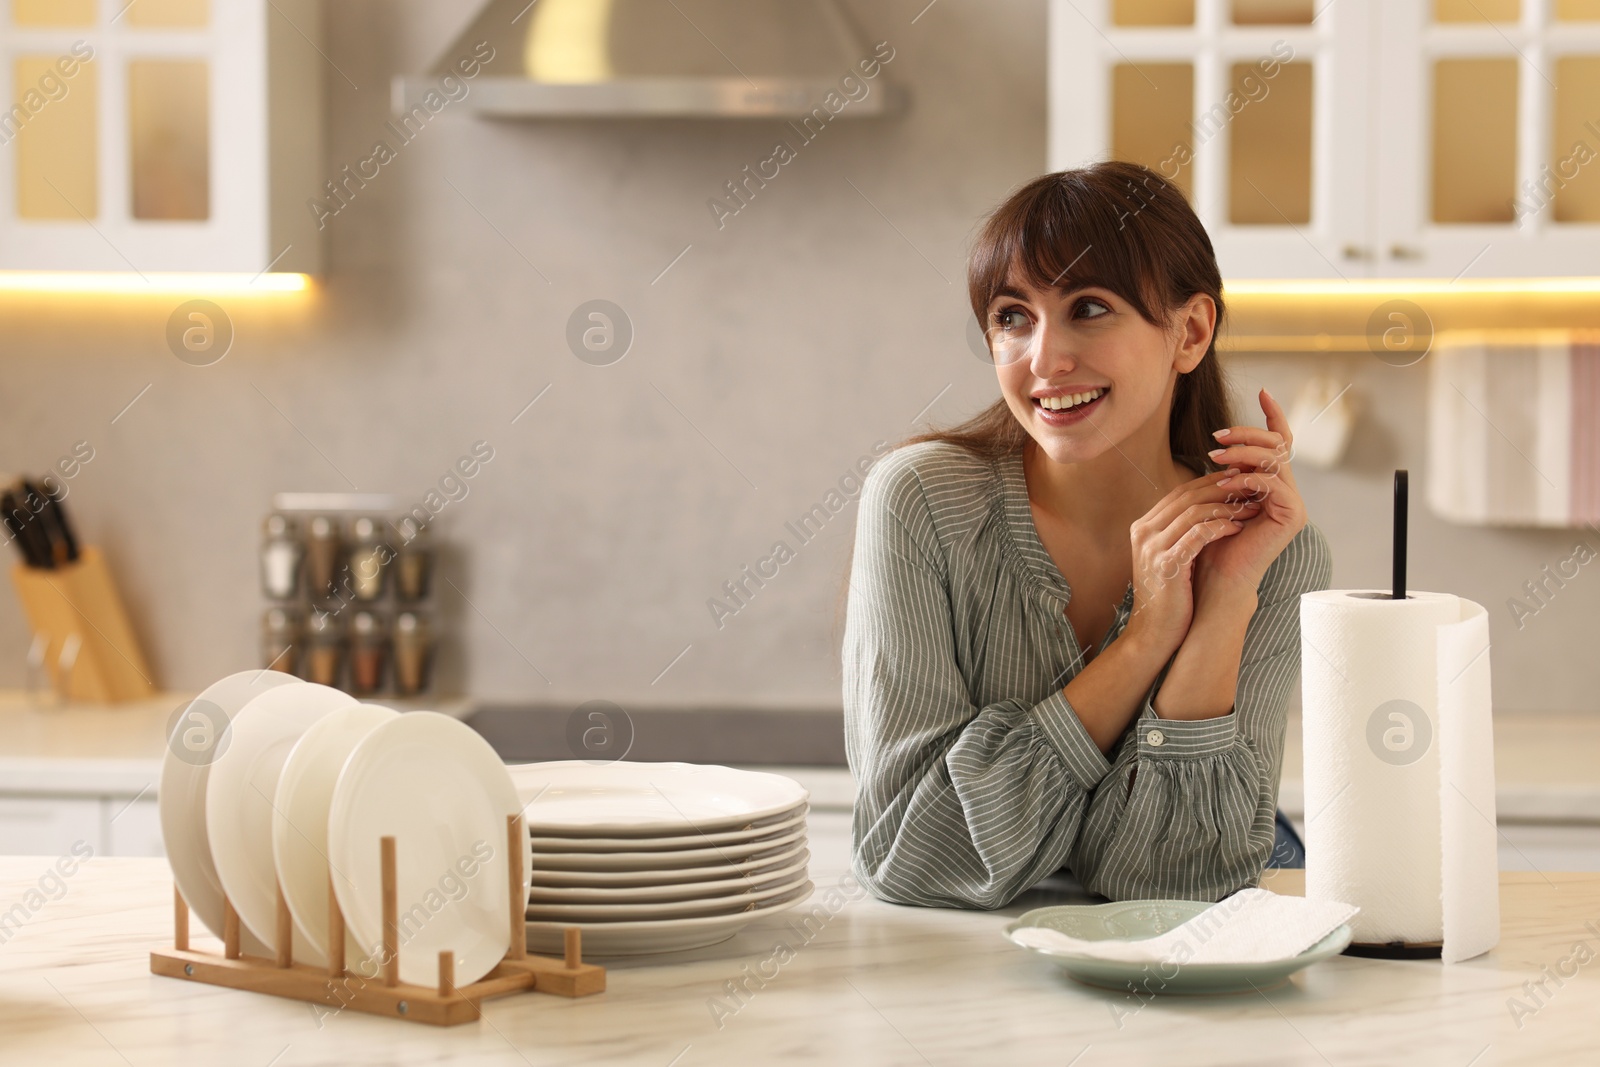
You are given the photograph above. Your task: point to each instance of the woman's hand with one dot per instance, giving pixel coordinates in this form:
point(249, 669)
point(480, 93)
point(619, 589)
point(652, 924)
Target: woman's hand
point(1166, 542)
point(1262, 457)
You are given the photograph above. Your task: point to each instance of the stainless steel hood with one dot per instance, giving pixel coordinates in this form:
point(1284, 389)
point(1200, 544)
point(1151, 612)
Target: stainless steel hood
point(660, 58)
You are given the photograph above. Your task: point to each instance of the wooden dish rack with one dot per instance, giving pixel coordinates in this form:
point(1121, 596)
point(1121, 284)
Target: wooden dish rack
point(444, 1005)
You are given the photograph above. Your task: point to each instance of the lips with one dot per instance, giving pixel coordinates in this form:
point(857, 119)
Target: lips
point(1076, 413)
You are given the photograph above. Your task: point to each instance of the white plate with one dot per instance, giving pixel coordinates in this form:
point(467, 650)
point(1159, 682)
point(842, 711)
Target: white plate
point(663, 844)
point(539, 896)
point(666, 861)
point(185, 769)
point(683, 876)
point(439, 790)
point(656, 935)
point(244, 780)
point(300, 818)
point(647, 799)
point(669, 909)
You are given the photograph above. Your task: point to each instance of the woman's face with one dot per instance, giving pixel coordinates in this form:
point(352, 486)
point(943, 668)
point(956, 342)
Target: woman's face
point(1083, 371)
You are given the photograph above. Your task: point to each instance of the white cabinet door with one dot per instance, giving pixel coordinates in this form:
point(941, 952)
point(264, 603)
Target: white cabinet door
point(133, 828)
point(49, 826)
point(1481, 142)
point(1257, 109)
point(160, 136)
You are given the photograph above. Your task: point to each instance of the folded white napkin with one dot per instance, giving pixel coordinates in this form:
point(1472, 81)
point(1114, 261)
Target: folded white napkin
point(1252, 926)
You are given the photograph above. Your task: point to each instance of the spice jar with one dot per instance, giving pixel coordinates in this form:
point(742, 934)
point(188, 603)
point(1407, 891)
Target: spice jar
point(324, 648)
point(368, 653)
point(281, 555)
point(413, 565)
point(369, 560)
point(322, 557)
point(280, 640)
point(413, 653)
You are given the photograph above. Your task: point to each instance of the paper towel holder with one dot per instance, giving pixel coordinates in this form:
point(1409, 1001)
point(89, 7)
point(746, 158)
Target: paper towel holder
point(1398, 586)
point(1396, 950)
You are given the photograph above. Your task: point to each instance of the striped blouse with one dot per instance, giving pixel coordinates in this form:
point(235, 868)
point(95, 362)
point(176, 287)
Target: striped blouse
point(975, 777)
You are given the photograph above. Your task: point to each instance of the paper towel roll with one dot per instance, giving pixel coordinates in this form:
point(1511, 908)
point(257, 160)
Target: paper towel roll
point(1399, 766)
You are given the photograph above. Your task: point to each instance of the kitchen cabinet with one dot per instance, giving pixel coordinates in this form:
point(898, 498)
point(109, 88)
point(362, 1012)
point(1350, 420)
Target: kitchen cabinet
point(1407, 138)
point(50, 825)
point(161, 135)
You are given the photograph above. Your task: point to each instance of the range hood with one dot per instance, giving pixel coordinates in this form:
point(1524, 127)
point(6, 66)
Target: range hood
point(661, 58)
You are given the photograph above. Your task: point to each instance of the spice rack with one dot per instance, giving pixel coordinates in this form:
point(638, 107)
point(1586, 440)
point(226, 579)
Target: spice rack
point(350, 594)
point(443, 1004)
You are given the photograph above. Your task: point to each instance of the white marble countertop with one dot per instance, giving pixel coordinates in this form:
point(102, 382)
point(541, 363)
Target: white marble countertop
point(876, 984)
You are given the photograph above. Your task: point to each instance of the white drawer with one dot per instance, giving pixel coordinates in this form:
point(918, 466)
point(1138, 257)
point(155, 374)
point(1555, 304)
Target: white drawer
point(49, 826)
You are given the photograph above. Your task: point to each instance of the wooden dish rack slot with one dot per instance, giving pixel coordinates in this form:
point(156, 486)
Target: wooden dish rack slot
point(445, 1004)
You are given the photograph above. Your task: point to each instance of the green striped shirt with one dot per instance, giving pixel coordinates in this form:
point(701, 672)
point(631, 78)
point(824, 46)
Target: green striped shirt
point(975, 777)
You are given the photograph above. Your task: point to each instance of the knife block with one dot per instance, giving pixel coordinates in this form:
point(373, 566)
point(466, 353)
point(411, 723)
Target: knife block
point(90, 650)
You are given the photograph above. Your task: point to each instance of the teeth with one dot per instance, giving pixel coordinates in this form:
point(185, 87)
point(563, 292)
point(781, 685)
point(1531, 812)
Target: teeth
point(1061, 403)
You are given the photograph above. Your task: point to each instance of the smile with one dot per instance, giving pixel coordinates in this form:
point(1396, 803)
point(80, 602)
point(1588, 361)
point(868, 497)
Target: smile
point(1060, 410)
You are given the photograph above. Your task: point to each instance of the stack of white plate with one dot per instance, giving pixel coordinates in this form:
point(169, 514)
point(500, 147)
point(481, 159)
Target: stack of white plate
point(658, 857)
point(272, 782)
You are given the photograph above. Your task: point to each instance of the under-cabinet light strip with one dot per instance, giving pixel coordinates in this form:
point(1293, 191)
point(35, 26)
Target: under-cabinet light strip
point(130, 282)
point(1402, 286)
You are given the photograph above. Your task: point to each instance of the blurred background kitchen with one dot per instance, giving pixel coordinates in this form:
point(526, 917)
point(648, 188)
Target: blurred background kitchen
point(608, 298)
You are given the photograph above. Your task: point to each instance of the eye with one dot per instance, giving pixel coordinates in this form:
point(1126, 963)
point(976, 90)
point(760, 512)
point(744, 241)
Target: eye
point(1011, 318)
point(1091, 302)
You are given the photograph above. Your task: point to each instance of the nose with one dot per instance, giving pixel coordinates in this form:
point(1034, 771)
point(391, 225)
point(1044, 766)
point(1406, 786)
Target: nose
point(1051, 352)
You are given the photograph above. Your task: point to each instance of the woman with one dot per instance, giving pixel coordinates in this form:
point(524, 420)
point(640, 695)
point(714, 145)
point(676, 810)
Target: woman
point(1070, 634)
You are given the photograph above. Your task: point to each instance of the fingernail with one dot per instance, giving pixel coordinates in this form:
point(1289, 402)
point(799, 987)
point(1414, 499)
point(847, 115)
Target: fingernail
point(1219, 434)
point(1215, 452)
point(1224, 481)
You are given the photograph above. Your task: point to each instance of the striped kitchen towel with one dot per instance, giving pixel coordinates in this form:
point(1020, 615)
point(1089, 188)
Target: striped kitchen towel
point(1514, 427)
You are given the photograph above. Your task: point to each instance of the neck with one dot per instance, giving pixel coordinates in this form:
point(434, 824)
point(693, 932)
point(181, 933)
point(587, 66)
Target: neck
point(1108, 493)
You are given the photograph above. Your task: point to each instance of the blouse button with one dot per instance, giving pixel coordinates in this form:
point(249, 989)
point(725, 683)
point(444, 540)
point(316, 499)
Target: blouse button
point(1155, 738)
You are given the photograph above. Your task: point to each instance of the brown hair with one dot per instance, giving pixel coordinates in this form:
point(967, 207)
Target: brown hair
point(1118, 226)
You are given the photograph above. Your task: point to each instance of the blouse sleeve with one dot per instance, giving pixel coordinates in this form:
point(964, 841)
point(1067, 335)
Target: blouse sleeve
point(1188, 809)
point(957, 805)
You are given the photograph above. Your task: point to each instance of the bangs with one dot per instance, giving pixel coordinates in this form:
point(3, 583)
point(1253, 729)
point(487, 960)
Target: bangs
point(1059, 234)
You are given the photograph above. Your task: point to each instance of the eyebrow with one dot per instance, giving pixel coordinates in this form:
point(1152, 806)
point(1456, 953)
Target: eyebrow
point(1013, 293)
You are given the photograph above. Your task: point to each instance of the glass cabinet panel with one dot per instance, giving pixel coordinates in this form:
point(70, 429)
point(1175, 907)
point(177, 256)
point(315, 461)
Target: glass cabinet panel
point(1270, 148)
point(1152, 12)
point(1574, 142)
point(1474, 139)
point(54, 124)
point(52, 12)
point(169, 123)
point(174, 13)
point(1151, 108)
point(1273, 12)
point(1477, 10)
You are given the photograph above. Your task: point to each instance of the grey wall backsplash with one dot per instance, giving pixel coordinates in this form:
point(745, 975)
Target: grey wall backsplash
point(766, 365)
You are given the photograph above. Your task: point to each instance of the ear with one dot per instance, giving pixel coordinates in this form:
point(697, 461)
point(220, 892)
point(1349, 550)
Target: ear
point(1197, 319)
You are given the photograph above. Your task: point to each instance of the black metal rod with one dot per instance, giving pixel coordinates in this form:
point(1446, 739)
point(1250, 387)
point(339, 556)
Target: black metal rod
point(1400, 495)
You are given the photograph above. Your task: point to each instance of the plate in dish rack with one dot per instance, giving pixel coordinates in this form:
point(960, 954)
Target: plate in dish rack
point(435, 786)
point(199, 735)
point(1136, 920)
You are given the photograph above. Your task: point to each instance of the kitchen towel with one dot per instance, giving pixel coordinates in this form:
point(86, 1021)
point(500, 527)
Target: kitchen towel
point(1252, 926)
point(1399, 766)
point(1514, 427)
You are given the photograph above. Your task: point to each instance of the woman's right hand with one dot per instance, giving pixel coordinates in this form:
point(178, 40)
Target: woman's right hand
point(1165, 542)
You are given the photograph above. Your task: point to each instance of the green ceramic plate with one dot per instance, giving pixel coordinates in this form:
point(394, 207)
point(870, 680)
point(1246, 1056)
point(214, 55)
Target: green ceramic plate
point(1135, 920)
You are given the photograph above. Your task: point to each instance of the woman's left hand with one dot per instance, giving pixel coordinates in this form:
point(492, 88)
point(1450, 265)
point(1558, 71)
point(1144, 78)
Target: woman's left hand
point(1262, 457)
